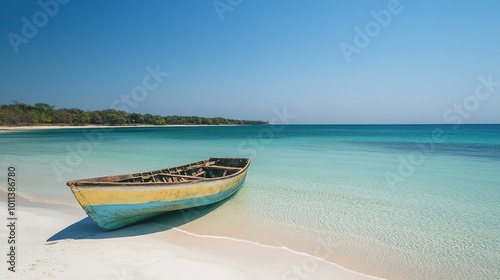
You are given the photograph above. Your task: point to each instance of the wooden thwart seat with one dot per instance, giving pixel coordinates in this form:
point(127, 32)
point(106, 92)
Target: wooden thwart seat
point(181, 176)
point(223, 167)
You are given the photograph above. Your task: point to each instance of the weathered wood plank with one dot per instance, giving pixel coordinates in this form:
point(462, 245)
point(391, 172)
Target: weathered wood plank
point(200, 165)
point(219, 167)
point(181, 176)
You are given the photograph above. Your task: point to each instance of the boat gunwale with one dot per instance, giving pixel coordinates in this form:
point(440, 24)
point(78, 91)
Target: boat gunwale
point(84, 183)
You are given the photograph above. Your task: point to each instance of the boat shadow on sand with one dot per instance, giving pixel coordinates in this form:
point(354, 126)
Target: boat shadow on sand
point(88, 229)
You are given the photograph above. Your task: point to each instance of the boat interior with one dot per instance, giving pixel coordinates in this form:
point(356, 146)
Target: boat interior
point(211, 168)
point(202, 170)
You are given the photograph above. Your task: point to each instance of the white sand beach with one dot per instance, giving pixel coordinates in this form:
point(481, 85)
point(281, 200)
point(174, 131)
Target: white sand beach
point(60, 242)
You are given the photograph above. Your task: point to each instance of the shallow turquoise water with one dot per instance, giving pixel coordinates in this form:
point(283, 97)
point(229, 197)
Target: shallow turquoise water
point(403, 203)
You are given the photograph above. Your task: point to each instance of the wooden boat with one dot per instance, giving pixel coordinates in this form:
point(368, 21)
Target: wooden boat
point(117, 201)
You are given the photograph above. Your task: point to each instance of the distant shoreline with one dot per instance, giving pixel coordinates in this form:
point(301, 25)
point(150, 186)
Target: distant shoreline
point(40, 127)
point(4, 128)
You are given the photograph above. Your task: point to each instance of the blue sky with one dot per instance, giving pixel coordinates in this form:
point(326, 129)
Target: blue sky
point(244, 59)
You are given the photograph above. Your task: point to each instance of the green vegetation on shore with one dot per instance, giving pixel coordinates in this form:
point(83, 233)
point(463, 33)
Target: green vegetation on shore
point(44, 114)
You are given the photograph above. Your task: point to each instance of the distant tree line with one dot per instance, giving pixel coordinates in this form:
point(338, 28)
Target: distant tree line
point(44, 114)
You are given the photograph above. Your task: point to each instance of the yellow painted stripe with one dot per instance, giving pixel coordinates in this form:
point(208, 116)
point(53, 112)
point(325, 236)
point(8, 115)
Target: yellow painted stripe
point(131, 195)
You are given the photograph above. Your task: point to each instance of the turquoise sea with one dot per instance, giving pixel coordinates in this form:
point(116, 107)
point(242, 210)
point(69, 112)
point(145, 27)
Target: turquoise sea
point(395, 201)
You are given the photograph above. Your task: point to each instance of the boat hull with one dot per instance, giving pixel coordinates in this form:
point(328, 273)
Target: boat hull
point(118, 206)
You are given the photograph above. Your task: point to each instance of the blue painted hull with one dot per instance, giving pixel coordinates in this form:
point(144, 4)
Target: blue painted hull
point(106, 215)
point(117, 201)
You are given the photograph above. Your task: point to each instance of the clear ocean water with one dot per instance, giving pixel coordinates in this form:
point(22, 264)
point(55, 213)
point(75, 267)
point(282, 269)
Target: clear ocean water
point(395, 201)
